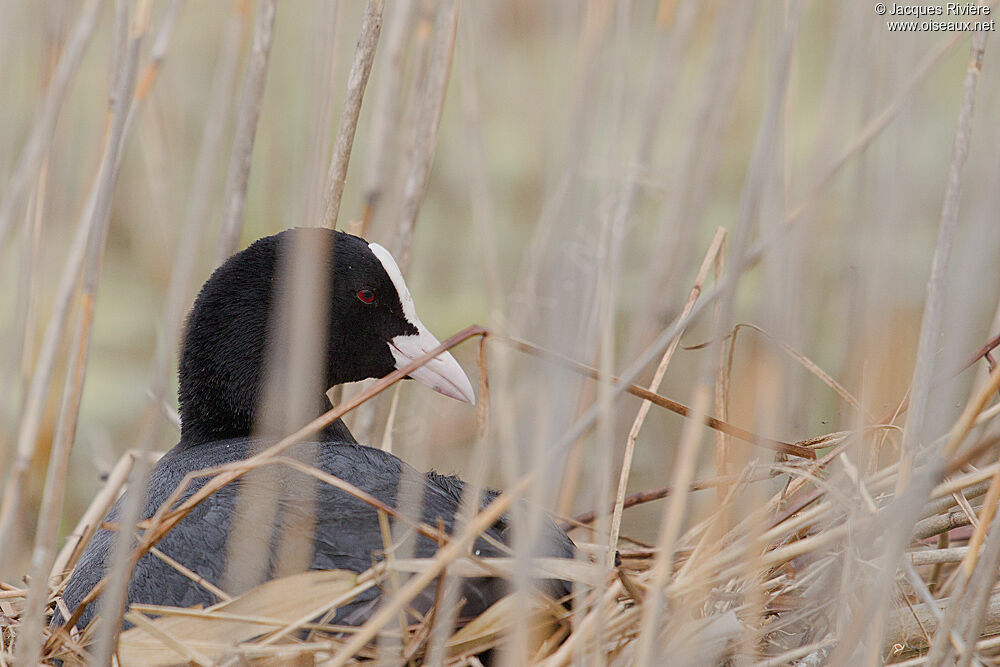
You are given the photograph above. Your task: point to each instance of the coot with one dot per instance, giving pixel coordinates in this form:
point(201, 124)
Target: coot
point(373, 329)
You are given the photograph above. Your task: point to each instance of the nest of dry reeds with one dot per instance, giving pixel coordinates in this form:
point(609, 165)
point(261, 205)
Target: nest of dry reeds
point(769, 580)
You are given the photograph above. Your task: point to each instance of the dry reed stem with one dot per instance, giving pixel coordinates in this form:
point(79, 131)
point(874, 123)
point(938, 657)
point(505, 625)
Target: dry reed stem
point(931, 323)
point(673, 38)
point(336, 180)
point(989, 509)
point(711, 254)
point(324, 50)
point(30, 635)
point(386, 112)
point(423, 119)
point(393, 582)
point(51, 508)
point(702, 156)
point(248, 111)
point(25, 326)
point(294, 358)
point(924, 594)
point(670, 529)
point(444, 622)
point(619, 191)
point(857, 145)
point(650, 495)
point(723, 378)
point(980, 586)
point(34, 404)
point(623, 385)
point(390, 420)
point(40, 139)
point(581, 109)
point(122, 111)
point(192, 575)
point(812, 367)
point(970, 415)
point(425, 130)
point(199, 201)
point(357, 80)
point(122, 108)
point(88, 523)
point(481, 199)
point(583, 632)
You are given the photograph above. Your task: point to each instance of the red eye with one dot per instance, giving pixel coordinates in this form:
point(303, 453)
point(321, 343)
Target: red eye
point(366, 296)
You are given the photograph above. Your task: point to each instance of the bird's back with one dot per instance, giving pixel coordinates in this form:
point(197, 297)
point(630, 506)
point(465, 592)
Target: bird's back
point(345, 530)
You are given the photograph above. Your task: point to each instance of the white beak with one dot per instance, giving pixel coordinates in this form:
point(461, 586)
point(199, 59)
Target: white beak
point(442, 373)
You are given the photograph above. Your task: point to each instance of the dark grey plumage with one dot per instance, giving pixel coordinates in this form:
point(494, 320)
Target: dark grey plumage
point(221, 376)
point(347, 537)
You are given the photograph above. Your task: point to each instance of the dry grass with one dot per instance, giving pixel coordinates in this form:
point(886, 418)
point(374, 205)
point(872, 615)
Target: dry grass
point(802, 548)
point(737, 264)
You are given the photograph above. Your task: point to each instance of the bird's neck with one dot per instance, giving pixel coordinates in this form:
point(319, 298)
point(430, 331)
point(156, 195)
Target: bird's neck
point(218, 402)
point(196, 432)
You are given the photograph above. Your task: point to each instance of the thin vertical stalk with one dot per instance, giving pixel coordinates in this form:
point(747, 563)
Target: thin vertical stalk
point(122, 111)
point(52, 500)
point(199, 202)
point(325, 43)
point(428, 109)
point(722, 380)
point(711, 257)
point(91, 518)
point(25, 313)
point(387, 111)
point(38, 391)
point(30, 635)
point(581, 112)
point(980, 588)
point(685, 202)
point(930, 329)
point(480, 196)
point(758, 171)
point(444, 620)
point(91, 226)
point(431, 104)
point(930, 326)
point(611, 235)
point(364, 55)
point(296, 367)
point(670, 528)
point(246, 130)
point(42, 131)
point(672, 40)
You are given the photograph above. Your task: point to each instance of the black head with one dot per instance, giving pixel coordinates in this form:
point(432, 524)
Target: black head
point(372, 329)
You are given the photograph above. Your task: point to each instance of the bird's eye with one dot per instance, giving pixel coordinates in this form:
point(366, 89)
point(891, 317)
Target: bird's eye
point(366, 296)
